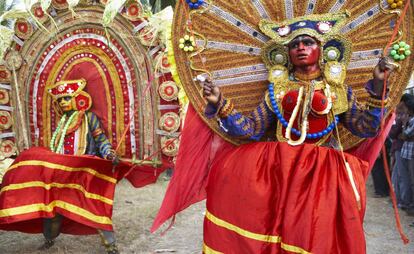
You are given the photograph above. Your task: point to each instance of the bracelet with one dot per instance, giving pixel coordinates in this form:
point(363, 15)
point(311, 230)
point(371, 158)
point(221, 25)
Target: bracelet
point(377, 103)
point(111, 152)
point(226, 109)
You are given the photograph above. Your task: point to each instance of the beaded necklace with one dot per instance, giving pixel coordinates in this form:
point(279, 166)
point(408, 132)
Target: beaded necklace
point(284, 123)
point(61, 123)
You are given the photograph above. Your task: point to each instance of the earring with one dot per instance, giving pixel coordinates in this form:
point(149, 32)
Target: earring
point(331, 54)
point(274, 53)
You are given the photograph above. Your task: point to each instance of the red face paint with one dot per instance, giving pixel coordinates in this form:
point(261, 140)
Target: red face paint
point(304, 51)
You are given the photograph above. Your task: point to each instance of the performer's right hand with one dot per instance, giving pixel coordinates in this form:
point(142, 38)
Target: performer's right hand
point(112, 156)
point(211, 92)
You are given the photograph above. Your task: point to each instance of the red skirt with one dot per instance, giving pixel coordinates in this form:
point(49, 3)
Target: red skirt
point(271, 197)
point(41, 184)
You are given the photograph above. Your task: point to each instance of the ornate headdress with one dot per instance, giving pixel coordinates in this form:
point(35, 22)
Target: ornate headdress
point(324, 27)
point(238, 42)
point(81, 100)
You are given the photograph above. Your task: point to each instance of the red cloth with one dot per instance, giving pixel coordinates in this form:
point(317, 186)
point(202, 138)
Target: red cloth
point(370, 148)
point(140, 176)
point(188, 185)
point(299, 194)
point(41, 183)
point(198, 148)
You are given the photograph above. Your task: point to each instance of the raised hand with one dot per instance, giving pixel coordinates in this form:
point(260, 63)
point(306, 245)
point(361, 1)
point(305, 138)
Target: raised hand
point(383, 66)
point(211, 92)
point(383, 69)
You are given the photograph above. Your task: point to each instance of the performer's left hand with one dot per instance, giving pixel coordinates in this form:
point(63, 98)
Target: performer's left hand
point(384, 67)
point(383, 70)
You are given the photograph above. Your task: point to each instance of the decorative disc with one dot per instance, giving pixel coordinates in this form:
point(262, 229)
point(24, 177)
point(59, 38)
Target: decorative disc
point(4, 96)
point(38, 12)
point(23, 29)
point(169, 146)
point(13, 60)
point(146, 36)
point(7, 148)
point(133, 11)
point(5, 120)
point(60, 4)
point(164, 64)
point(5, 76)
point(168, 91)
point(169, 122)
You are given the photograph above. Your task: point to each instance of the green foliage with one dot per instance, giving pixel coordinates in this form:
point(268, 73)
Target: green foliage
point(158, 5)
point(6, 7)
point(2, 7)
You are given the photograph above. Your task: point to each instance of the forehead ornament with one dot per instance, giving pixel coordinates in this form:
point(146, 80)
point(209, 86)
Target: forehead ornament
point(302, 24)
point(324, 26)
point(284, 31)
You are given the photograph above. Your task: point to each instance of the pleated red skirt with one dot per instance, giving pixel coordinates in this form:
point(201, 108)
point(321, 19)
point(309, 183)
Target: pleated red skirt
point(271, 197)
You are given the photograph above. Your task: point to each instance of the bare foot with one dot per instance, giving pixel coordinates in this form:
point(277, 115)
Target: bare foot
point(47, 244)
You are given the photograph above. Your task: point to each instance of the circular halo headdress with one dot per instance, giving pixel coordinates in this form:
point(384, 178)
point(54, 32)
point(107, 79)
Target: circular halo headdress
point(235, 42)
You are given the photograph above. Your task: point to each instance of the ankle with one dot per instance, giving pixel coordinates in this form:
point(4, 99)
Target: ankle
point(111, 248)
point(47, 244)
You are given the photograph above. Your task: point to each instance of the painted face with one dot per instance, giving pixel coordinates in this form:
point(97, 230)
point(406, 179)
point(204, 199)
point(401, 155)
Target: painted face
point(65, 103)
point(304, 51)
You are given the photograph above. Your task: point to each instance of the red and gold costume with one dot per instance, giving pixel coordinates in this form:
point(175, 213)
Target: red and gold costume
point(41, 184)
point(290, 196)
point(69, 194)
point(82, 193)
point(131, 106)
point(302, 193)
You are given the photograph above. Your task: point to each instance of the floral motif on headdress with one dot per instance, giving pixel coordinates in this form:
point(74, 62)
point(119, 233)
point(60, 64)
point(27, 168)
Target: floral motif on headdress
point(319, 26)
point(66, 88)
point(323, 27)
point(81, 100)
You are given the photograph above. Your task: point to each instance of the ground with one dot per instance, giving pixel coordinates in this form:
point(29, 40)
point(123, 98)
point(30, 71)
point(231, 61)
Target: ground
point(135, 209)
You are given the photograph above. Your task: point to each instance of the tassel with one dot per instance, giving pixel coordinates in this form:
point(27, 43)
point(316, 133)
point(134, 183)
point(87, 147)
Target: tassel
point(354, 188)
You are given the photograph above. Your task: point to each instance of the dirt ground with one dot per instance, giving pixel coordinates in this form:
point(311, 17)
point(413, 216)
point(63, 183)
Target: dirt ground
point(135, 209)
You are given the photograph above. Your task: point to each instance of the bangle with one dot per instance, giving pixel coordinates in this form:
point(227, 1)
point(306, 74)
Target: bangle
point(226, 109)
point(377, 103)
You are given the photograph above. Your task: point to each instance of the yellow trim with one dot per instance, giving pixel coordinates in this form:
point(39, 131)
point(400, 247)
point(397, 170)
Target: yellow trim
point(63, 168)
point(83, 136)
point(49, 208)
point(48, 186)
point(293, 249)
point(208, 250)
point(182, 96)
point(254, 236)
point(242, 232)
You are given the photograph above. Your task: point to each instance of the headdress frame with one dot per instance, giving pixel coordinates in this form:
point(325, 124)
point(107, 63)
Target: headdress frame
point(323, 27)
point(81, 100)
